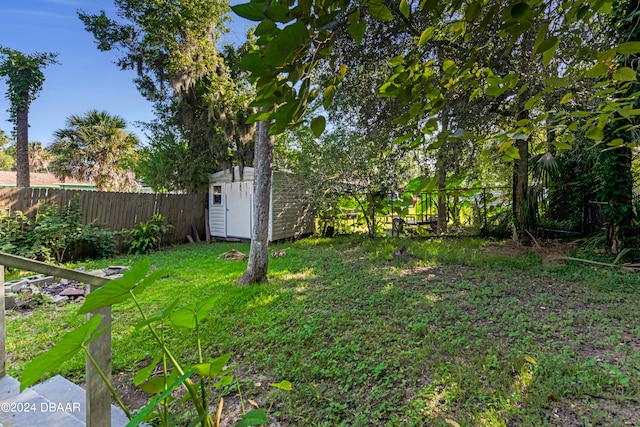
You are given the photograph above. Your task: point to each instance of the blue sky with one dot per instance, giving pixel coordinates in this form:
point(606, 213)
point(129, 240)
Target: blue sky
point(85, 78)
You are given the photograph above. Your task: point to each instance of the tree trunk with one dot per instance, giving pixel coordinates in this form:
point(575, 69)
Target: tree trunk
point(257, 266)
point(442, 199)
point(22, 145)
point(441, 165)
point(372, 215)
point(618, 189)
point(520, 185)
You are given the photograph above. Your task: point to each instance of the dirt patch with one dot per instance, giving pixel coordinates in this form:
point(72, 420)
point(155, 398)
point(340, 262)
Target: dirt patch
point(547, 250)
point(131, 395)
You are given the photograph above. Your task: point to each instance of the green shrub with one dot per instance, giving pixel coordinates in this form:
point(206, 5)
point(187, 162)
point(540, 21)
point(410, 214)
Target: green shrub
point(53, 234)
point(101, 242)
point(146, 236)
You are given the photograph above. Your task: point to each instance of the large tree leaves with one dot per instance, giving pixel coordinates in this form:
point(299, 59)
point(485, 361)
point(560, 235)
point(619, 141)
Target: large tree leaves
point(64, 350)
point(253, 11)
point(285, 43)
point(133, 281)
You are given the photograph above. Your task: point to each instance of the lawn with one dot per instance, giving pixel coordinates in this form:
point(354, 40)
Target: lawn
point(438, 333)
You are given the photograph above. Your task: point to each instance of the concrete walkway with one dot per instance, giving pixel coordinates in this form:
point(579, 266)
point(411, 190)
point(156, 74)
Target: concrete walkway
point(56, 402)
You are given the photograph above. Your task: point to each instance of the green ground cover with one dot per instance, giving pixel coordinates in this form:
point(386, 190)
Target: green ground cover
point(392, 332)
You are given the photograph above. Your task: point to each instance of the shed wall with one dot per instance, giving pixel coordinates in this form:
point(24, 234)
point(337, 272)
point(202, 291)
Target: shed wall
point(291, 216)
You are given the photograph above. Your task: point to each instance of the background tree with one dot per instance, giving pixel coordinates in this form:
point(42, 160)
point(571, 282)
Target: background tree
point(527, 38)
point(96, 147)
point(25, 78)
point(6, 160)
point(616, 179)
point(201, 105)
point(39, 157)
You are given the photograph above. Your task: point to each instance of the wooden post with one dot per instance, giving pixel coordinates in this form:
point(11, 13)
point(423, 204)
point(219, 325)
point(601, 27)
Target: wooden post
point(98, 394)
point(3, 331)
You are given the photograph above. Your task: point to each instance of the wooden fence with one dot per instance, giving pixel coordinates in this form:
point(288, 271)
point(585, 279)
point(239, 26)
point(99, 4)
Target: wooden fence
point(117, 211)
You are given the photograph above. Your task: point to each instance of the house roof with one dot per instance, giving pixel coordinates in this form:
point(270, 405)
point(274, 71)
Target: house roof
point(39, 179)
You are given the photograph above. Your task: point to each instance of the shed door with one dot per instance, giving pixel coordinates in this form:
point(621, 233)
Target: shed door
point(239, 209)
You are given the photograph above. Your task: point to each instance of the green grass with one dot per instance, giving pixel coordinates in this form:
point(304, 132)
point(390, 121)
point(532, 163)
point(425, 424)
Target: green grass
point(448, 331)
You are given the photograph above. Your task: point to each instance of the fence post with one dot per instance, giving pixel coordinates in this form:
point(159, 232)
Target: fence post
point(98, 394)
point(3, 330)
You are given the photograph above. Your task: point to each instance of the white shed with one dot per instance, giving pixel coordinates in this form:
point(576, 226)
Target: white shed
point(231, 206)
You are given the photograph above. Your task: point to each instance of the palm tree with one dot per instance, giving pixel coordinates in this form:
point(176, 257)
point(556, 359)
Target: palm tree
point(96, 147)
point(39, 157)
point(25, 78)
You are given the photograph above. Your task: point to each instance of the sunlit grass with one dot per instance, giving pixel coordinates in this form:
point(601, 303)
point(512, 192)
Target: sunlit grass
point(449, 331)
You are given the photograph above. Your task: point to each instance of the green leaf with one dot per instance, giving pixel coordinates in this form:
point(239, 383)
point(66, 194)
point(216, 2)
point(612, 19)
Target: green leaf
point(597, 70)
point(624, 74)
point(380, 11)
point(405, 9)
point(426, 36)
point(142, 413)
point(357, 27)
point(117, 290)
point(532, 102)
point(431, 125)
point(256, 417)
point(153, 385)
point(191, 315)
point(258, 117)
point(318, 125)
point(472, 11)
point(520, 10)
point(143, 374)
point(225, 380)
point(566, 98)
point(159, 315)
point(561, 145)
point(595, 133)
point(389, 89)
point(357, 30)
point(448, 65)
point(253, 11)
point(512, 152)
point(628, 48)
point(286, 43)
point(278, 13)
point(64, 350)
point(556, 82)
point(213, 368)
point(327, 96)
point(546, 44)
point(282, 385)
point(415, 109)
point(266, 27)
point(401, 139)
point(616, 142)
point(254, 62)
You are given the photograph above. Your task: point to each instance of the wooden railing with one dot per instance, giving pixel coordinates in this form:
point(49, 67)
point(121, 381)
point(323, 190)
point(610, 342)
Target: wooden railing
point(98, 399)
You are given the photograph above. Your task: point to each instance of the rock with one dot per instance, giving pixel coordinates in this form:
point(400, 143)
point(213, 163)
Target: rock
point(40, 280)
point(60, 299)
point(73, 292)
point(10, 301)
point(14, 285)
point(99, 273)
point(115, 269)
point(29, 288)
